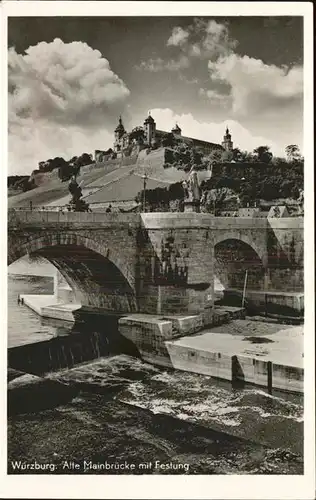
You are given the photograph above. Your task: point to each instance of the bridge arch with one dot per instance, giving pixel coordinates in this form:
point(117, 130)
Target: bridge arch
point(232, 258)
point(254, 239)
point(99, 277)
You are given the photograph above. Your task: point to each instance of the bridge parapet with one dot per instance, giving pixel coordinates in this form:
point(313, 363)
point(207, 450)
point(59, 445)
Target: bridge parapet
point(178, 220)
point(154, 220)
point(286, 223)
point(83, 219)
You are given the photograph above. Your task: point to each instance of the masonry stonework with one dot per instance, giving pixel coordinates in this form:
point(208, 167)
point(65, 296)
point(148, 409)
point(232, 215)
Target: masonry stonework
point(159, 263)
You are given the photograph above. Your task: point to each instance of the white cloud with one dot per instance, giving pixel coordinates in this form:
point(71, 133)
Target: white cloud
point(175, 65)
point(159, 64)
point(32, 141)
point(195, 50)
point(190, 81)
point(202, 39)
point(215, 96)
point(256, 86)
point(178, 36)
point(63, 81)
point(59, 96)
point(263, 97)
point(216, 40)
point(213, 132)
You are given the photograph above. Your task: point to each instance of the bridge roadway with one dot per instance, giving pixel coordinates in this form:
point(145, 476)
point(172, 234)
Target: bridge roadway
point(159, 262)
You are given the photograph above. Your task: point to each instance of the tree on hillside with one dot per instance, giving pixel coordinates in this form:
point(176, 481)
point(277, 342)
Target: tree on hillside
point(65, 170)
point(19, 182)
point(241, 156)
point(248, 191)
point(168, 141)
point(55, 163)
point(73, 160)
point(215, 156)
point(263, 154)
point(278, 161)
point(182, 156)
point(214, 200)
point(195, 159)
point(84, 159)
point(176, 191)
point(48, 165)
point(42, 166)
point(237, 155)
point(248, 157)
point(138, 135)
point(227, 156)
point(292, 152)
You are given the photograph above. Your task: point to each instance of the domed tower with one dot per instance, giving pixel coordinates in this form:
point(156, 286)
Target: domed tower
point(227, 142)
point(150, 129)
point(118, 134)
point(176, 130)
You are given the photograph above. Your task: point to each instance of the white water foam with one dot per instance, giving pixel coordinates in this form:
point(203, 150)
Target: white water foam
point(204, 401)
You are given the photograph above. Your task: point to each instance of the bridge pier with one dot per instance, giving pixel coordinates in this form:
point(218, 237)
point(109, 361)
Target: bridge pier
point(176, 268)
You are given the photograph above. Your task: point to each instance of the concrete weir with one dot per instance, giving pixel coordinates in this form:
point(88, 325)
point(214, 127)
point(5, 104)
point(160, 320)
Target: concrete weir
point(201, 355)
point(191, 343)
point(48, 306)
point(180, 343)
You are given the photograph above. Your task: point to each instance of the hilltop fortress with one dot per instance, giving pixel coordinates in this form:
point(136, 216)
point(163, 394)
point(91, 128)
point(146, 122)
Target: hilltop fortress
point(148, 136)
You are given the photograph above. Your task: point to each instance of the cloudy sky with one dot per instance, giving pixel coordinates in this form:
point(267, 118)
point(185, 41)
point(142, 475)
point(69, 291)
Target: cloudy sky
point(70, 78)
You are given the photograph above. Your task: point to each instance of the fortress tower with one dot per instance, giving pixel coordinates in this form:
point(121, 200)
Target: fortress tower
point(176, 130)
point(130, 143)
point(227, 142)
point(150, 129)
point(119, 132)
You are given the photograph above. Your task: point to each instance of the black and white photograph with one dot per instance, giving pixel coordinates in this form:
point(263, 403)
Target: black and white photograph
point(156, 199)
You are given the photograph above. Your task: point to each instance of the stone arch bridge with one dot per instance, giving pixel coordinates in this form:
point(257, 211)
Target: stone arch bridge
point(159, 263)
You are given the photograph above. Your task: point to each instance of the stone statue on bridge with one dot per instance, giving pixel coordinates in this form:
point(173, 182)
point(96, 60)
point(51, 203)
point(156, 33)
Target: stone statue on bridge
point(301, 202)
point(76, 204)
point(192, 192)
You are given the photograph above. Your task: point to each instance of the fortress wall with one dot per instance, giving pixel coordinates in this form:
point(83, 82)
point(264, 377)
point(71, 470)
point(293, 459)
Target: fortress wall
point(152, 161)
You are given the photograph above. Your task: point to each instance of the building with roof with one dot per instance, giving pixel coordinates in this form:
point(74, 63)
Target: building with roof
point(149, 136)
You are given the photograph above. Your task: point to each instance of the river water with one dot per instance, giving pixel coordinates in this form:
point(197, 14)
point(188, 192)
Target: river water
point(129, 411)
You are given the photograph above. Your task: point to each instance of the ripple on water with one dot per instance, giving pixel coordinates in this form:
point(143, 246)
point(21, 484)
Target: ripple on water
point(248, 412)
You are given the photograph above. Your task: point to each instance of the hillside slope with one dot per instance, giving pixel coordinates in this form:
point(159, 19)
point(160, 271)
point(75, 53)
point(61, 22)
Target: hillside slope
point(108, 182)
point(55, 189)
